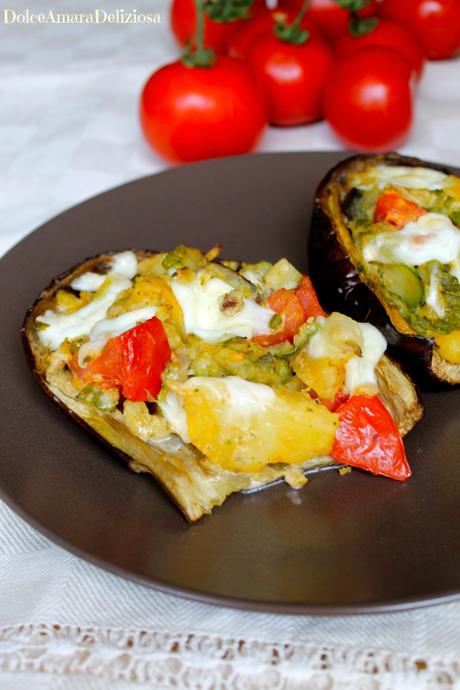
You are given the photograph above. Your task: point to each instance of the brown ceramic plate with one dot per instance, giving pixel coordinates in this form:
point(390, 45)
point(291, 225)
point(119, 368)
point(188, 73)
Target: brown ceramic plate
point(341, 545)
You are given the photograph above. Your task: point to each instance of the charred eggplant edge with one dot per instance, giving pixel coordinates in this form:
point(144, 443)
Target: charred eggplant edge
point(341, 286)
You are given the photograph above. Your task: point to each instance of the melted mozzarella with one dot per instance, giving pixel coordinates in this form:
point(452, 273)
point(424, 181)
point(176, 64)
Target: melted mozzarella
point(81, 322)
point(241, 397)
point(432, 237)
point(360, 369)
point(414, 178)
point(172, 409)
point(124, 264)
point(433, 297)
point(203, 317)
point(88, 282)
point(105, 329)
point(109, 328)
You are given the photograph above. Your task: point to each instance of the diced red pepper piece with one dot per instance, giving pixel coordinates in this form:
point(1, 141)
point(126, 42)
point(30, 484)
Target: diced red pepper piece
point(132, 361)
point(308, 298)
point(368, 438)
point(295, 306)
point(397, 210)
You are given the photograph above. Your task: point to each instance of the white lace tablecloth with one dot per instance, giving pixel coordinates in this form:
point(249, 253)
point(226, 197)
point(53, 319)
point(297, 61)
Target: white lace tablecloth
point(68, 130)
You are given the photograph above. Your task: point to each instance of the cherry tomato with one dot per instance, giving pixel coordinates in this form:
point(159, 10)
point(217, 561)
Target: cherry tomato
point(388, 35)
point(132, 361)
point(216, 33)
point(368, 438)
point(292, 76)
point(368, 100)
point(435, 23)
point(245, 33)
point(329, 16)
point(192, 113)
point(395, 209)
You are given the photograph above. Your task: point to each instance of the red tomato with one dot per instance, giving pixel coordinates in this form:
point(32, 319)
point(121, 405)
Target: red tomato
point(183, 24)
point(245, 33)
point(435, 23)
point(397, 210)
point(368, 438)
point(132, 361)
point(292, 77)
point(329, 16)
point(368, 100)
point(388, 35)
point(192, 113)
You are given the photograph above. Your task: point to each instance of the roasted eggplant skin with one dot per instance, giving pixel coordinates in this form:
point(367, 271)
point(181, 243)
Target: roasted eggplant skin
point(341, 286)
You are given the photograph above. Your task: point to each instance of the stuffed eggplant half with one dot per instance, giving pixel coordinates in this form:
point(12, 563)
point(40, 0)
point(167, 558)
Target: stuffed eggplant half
point(217, 376)
point(385, 247)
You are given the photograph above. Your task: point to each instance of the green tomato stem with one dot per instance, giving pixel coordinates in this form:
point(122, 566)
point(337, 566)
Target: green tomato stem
point(199, 7)
point(292, 33)
point(199, 56)
point(301, 14)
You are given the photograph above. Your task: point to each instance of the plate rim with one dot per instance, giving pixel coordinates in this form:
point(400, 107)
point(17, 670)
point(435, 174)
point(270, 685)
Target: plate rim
point(216, 600)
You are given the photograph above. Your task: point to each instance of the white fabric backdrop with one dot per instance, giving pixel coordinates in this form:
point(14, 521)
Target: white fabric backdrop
point(68, 130)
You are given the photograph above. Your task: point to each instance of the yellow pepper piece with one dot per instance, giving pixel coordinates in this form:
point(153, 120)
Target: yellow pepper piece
point(449, 346)
point(289, 427)
point(321, 374)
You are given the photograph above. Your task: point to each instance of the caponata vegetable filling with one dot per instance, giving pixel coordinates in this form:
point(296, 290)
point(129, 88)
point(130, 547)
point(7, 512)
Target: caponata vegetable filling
point(405, 226)
point(239, 360)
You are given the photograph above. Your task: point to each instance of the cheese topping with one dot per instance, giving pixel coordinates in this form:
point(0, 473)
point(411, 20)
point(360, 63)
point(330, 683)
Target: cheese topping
point(88, 282)
point(203, 317)
point(360, 369)
point(433, 297)
point(432, 237)
point(172, 409)
point(405, 176)
point(124, 264)
point(244, 396)
point(105, 329)
point(81, 322)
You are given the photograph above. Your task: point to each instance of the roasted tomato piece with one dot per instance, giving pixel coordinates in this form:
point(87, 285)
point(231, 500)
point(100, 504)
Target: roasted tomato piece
point(397, 210)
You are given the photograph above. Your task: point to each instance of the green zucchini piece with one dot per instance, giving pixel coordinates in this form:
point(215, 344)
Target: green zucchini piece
point(404, 282)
